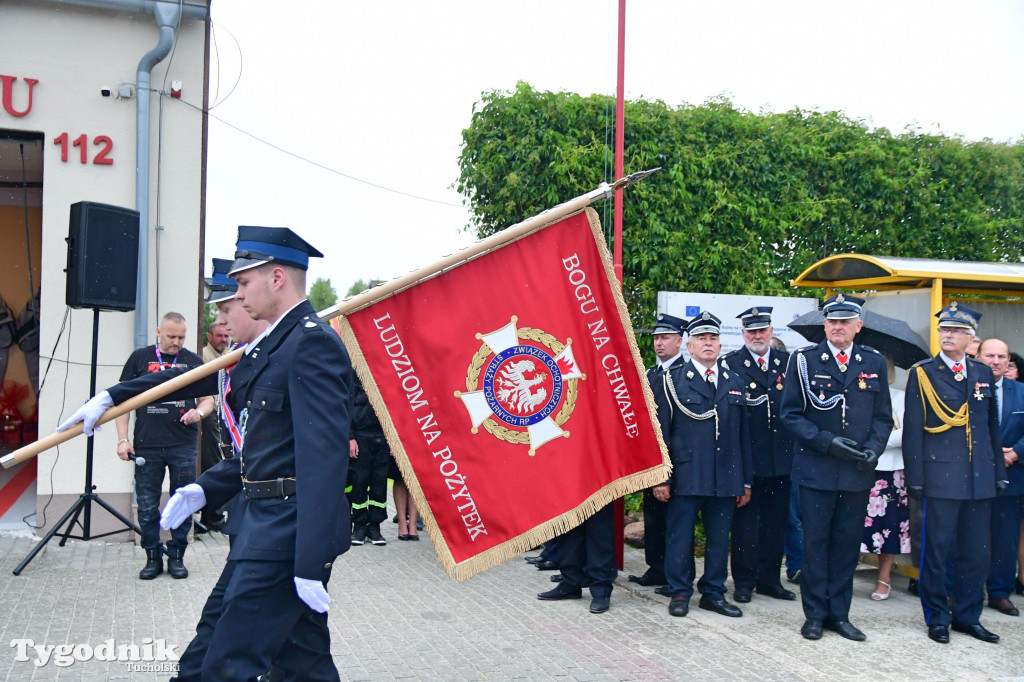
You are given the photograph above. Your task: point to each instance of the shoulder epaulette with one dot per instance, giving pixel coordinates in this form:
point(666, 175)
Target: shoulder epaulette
point(805, 349)
point(869, 348)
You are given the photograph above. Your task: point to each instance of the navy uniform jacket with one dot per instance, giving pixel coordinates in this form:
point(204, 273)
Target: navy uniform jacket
point(296, 385)
point(702, 464)
point(1012, 433)
point(868, 418)
point(654, 378)
point(940, 461)
point(771, 446)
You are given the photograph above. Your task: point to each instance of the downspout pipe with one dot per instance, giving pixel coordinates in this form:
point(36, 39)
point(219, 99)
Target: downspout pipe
point(167, 16)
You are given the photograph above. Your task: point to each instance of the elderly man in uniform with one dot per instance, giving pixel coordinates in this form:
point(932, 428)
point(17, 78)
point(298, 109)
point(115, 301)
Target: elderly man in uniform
point(953, 456)
point(757, 528)
point(836, 405)
point(668, 347)
point(711, 467)
point(1008, 508)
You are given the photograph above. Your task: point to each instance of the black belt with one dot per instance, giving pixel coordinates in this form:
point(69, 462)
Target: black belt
point(279, 487)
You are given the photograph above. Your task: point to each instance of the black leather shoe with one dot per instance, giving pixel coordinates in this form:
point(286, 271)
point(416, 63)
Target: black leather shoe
point(938, 633)
point(977, 632)
point(664, 591)
point(534, 560)
point(1003, 605)
point(556, 578)
point(794, 577)
point(775, 591)
point(679, 606)
point(719, 606)
point(742, 595)
point(560, 592)
point(600, 604)
point(811, 629)
point(647, 579)
point(546, 565)
point(912, 587)
point(845, 629)
point(1018, 587)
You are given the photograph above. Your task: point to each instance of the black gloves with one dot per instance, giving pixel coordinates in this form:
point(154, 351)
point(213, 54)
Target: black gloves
point(845, 449)
point(868, 464)
point(1001, 487)
point(915, 491)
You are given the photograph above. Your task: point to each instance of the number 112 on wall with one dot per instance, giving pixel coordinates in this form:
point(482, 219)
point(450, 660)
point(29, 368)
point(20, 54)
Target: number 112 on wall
point(103, 143)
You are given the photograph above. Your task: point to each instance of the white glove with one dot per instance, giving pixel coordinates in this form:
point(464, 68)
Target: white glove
point(313, 593)
point(184, 503)
point(89, 413)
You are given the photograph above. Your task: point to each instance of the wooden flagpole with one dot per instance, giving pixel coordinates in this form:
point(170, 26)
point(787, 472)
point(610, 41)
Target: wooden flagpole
point(349, 305)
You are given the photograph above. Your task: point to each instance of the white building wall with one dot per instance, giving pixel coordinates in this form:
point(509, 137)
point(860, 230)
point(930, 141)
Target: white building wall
point(74, 52)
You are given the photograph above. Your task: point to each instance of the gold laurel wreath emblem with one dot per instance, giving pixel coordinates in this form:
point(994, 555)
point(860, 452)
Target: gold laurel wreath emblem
point(491, 424)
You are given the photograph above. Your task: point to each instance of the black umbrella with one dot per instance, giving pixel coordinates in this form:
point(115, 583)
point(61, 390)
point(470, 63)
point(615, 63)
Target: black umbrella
point(893, 336)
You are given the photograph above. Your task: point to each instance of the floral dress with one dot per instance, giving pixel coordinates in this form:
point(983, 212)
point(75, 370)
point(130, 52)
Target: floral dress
point(887, 523)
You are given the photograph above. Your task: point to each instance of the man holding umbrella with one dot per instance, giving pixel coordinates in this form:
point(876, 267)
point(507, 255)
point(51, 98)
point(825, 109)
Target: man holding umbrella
point(836, 405)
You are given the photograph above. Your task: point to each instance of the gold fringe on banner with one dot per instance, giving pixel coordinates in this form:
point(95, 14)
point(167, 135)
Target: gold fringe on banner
point(558, 525)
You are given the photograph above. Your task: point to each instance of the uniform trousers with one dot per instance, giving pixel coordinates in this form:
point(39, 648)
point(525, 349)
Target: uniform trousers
point(369, 476)
point(262, 620)
point(655, 513)
point(679, 563)
point(1007, 512)
point(960, 526)
point(833, 522)
point(757, 533)
point(588, 552)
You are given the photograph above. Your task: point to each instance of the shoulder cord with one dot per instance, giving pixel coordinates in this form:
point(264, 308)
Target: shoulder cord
point(816, 402)
point(759, 400)
point(948, 417)
point(670, 393)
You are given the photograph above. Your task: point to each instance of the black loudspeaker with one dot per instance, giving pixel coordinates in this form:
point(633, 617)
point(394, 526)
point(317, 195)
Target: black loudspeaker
point(103, 256)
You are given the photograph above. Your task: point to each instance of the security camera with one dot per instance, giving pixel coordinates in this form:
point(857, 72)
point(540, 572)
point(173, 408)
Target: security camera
point(105, 92)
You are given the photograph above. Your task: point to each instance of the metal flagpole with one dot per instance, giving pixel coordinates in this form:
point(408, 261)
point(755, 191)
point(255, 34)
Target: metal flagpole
point(620, 137)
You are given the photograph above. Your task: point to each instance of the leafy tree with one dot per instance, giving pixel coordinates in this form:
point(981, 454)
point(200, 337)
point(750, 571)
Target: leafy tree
point(359, 286)
point(210, 313)
point(744, 202)
point(321, 294)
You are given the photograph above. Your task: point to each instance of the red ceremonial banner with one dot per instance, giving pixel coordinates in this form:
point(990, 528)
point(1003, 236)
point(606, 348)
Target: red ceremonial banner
point(512, 393)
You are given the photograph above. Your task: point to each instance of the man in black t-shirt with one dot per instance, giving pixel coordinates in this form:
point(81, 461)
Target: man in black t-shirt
point(166, 436)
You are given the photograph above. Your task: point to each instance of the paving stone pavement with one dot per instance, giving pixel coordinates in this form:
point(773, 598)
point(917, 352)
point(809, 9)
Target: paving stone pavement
point(396, 615)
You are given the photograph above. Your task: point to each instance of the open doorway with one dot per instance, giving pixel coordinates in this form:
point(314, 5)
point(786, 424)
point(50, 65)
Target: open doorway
point(21, 232)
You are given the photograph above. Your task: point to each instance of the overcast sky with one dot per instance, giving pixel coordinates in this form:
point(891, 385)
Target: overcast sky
point(381, 91)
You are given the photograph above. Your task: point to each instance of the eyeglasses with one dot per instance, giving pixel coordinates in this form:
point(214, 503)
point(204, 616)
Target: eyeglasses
point(954, 331)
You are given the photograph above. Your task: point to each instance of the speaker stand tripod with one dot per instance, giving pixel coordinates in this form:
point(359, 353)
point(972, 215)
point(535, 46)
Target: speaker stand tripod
point(83, 506)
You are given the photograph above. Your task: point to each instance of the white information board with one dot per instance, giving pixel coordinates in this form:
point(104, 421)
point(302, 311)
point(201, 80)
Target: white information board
point(726, 307)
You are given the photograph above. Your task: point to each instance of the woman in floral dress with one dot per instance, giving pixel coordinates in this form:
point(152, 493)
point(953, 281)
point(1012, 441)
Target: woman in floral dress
point(887, 524)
